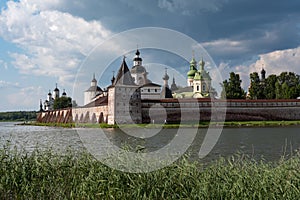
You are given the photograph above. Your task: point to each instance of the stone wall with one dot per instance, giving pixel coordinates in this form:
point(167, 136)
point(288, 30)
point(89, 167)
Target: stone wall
point(97, 114)
point(182, 110)
point(193, 110)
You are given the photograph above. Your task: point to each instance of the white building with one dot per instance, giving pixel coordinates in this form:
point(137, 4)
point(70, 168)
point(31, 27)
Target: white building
point(93, 91)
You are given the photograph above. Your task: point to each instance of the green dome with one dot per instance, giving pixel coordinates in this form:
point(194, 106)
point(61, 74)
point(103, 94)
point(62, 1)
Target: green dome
point(191, 73)
point(197, 76)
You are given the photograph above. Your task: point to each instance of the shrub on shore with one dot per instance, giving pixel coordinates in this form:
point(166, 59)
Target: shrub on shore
point(50, 175)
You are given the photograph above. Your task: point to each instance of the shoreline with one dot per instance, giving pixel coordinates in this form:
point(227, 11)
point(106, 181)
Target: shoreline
point(228, 124)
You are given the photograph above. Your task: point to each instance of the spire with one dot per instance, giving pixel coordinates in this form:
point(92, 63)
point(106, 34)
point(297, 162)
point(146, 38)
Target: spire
point(113, 78)
point(41, 106)
point(201, 64)
point(174, 86)
point(263, 73)
point(94, 79)
point(166, 77)
point(124, 76)
point(56, 89)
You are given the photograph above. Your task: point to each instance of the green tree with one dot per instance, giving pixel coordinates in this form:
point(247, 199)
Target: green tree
point(287, 86)
point(256, 90)
point(62, 102)
point(270, 87)
point(232, 88)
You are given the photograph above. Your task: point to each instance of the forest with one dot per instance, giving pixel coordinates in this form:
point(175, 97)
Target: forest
point(283, 86)
point(18, 116)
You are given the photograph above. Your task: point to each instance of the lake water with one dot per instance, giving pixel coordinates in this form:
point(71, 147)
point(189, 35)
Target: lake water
point(269, 143)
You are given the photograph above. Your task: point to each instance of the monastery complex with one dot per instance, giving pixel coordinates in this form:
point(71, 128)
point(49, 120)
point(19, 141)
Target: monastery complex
point(133, 98)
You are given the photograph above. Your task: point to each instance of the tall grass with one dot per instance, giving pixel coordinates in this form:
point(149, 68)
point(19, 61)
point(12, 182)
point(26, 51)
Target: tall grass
point(50, 175)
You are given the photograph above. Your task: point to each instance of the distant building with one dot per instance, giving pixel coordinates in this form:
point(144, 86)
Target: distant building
point(49, 102)
point(92, 92)
point(198, 81)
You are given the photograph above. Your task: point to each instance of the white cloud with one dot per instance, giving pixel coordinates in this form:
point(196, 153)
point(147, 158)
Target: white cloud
point(3, 64)
point(25, 98)
point(278, 61)
point(5, 84)
point(192, 6)
point(274, 62)
point(226, 46)
point(53, 43)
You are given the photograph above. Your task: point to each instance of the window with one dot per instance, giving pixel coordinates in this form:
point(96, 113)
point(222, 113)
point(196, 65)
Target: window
point(148, 90)
point(203, 87)
point(155, 90)
point(197, 87)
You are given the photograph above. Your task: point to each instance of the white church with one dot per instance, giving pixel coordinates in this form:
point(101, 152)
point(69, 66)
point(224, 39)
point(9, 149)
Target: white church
point(139, 77)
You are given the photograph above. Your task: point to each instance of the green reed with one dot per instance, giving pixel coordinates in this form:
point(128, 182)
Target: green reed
point(77, 175)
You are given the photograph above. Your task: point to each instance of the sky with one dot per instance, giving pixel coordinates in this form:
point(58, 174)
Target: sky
point(52, 41)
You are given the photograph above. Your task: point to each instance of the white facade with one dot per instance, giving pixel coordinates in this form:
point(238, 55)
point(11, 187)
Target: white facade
point(150, 91)
point(93, 91)
point(124, 104)
point(138, 72)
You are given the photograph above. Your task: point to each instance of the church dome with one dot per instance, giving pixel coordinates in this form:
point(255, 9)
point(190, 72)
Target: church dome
point(193, 69)
point(166, 77)
point(137, 56)
point(191, 73)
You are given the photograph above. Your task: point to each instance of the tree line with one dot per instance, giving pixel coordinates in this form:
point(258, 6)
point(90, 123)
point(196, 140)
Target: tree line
point(283, 86)
point(18, 116)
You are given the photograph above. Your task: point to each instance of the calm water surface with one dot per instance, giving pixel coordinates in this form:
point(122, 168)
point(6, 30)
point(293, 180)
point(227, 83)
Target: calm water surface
point(259, 143)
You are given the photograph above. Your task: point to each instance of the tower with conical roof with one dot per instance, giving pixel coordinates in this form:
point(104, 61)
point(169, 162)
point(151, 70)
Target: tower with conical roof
point(173, 85)
point(124, 98)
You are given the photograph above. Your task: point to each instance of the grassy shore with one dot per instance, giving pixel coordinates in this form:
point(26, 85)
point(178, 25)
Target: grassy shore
point(48, 175)
point(205, 124)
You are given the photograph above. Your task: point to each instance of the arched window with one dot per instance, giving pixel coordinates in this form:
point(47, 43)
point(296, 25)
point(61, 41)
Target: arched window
point(203, 87)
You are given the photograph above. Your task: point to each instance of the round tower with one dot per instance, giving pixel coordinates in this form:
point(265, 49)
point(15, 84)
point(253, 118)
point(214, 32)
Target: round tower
point(138, 72)
point(166, 78)
point(137, 60)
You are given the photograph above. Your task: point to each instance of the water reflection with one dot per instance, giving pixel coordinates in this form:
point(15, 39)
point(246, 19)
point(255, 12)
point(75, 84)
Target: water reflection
point(266, 143)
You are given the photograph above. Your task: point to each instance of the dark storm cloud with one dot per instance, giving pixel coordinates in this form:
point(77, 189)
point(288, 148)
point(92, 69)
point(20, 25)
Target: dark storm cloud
point(235, 30)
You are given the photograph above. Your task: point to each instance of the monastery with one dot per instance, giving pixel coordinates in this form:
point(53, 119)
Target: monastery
point(133, 98)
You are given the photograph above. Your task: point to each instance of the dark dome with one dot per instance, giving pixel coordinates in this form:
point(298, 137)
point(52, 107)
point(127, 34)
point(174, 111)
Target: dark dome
point(137, 56)
point(137, 52)
point(137, 59)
